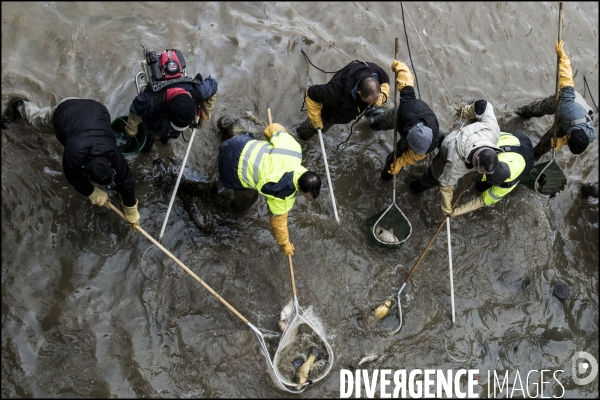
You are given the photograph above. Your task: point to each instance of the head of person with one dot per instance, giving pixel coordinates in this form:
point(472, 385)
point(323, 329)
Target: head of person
point(309, 184)
point(181, 111)
point(419, 138)
point(99, 170)
point(500, 174)
point(369, 90)
point(485, 160)
point(577, 141)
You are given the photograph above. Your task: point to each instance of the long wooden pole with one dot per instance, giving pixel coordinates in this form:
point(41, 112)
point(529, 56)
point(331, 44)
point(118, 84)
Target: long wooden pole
point(168, 253)
point(560, 6)
point(396, 101)
point(412, 271)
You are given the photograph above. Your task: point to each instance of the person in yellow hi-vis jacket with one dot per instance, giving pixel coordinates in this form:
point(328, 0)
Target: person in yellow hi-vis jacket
point(271, 167)
point(348, 93)
point(514, 163)
point(575, 117)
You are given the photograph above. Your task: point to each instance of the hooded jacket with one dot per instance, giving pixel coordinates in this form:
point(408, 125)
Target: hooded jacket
point(83, 127)
point(457, 146)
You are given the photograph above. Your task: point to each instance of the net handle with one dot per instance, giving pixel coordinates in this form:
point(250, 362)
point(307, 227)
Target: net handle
point(560, 6)
point(168, 253)
point(396, 101)
point(412, 271)
point(292, 275)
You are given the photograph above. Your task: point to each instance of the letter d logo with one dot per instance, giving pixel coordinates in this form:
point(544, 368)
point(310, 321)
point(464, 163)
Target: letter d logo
point(582, 367)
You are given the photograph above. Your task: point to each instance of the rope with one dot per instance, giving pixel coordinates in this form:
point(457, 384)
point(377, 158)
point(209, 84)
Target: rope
point(588, 88)
point(436, 71)
point(409, 56)
point(341, 52)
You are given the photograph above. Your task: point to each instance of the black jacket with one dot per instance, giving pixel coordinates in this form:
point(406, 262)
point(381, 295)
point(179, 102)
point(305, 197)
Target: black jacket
point(339, 106)
point(152, 106)
point(411, 111)
point(83, 127)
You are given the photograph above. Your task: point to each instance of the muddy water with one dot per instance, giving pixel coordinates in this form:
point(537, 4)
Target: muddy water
point(89, 309)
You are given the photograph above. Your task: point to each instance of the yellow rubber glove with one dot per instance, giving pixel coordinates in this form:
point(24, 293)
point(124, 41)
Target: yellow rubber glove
point(131, 214)
point(385, 93)
point(131, 129)
point(565, 73)
point(468, 207)
point(560, 142)
point(99, 198)
point(207, 107)
point(280, 231)
point(314, 112)
point(403, 75)
point(409, 157)
point(446, 193)
point(271, 129)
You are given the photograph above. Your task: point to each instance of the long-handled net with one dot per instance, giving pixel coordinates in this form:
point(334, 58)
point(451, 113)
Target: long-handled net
point(551, 179)
point(303, 333)
point(261, 334)
point(412, 271)
point(391, 221)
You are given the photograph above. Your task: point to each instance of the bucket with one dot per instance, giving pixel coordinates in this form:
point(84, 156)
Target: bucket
point(127, 144)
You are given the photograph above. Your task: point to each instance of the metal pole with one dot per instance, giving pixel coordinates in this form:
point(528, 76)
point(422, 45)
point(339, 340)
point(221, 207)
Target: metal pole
point(450, 265)
point(187, 152)
point(328, 176)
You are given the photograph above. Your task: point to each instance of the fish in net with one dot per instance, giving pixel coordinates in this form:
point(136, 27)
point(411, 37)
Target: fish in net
point(303, 336)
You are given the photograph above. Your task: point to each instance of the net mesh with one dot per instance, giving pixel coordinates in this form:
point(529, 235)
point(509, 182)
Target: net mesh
point(392, 220)
point(303, 335)
point(552, 181)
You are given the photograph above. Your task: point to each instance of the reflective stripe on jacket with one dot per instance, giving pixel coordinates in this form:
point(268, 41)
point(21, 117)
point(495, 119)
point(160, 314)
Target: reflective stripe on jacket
point(262, 162)
point(518, 155)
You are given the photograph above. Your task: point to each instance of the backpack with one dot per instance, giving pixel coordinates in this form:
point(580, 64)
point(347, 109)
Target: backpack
point(170, 64)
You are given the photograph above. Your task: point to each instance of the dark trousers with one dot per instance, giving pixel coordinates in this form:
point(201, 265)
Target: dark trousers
point(539, 108)
point(430, 178)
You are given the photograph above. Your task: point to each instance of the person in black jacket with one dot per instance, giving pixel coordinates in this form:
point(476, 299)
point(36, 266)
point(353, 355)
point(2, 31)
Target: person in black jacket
point(417, 125)
point(351, 90)
point(169, 111)
point(83, 127)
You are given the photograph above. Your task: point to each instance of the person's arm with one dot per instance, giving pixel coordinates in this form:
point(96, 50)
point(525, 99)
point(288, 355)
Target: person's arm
point(385, 93)
point(279, 227)
point(403, 75)
point(271, 129)
point(314, 112)
point(76, 178)
point(565, 73)
point(409, 157)
point(208, 88)
point(446, 193)
point(140, 107)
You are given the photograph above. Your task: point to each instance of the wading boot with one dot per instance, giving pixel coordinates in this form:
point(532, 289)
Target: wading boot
point(229, 126)
point(11, 112)
point(424, 182)
point(305, 130)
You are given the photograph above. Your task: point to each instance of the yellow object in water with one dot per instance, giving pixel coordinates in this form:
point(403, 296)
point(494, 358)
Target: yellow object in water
point(304, 370)
point(383, 309)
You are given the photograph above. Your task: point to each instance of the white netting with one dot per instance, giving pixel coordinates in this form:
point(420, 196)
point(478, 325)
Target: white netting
point(304, 334)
